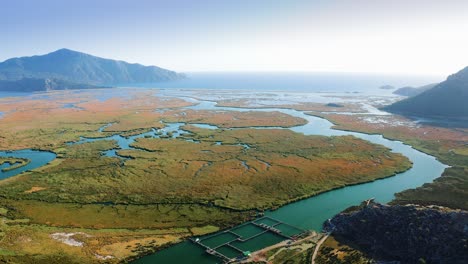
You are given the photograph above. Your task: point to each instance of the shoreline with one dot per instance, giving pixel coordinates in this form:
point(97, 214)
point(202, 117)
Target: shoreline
point(335, 127)
point(295, 199)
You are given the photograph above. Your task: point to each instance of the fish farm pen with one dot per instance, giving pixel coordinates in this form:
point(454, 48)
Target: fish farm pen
point(238, 242)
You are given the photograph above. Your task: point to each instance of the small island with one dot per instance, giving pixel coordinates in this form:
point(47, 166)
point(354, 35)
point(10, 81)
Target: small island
point(387, 87)
point(334, 105)
point(13, 163)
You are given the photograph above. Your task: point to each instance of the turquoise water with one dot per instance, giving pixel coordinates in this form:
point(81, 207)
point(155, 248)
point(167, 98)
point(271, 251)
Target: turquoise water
point(312, 212)
point(38, 159)
point(288, 230)
point(256, 243)
point(307, 214)
point(218, 240)
point(247, 231)
point(228, 251)
point(171, 130)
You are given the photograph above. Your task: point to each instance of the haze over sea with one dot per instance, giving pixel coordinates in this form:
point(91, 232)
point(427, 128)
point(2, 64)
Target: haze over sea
point(304, 82)
point(295, 81)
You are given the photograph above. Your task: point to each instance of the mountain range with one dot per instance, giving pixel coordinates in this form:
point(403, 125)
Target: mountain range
point(68, 69)
point(412, 91)
point(448, 99)
point(38, 84)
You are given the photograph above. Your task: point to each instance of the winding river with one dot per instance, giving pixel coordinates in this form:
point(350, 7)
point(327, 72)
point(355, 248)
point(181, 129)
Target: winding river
point(308, 213)
point(312, 212)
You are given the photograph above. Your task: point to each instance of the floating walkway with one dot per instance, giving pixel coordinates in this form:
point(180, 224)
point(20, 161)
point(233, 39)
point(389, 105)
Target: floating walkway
point(229, 239)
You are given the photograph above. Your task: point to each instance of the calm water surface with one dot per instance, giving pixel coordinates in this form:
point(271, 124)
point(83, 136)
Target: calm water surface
point(312, 212)
point(309, 213)
point(38, 159)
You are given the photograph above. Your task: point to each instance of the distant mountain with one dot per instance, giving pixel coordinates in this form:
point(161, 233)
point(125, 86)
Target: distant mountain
point(412, 91)
point(448, 99)
point(74, 67)
point(34, 85)
point(386, 87)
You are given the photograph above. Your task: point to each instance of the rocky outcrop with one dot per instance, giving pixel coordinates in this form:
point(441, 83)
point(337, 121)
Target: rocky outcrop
point(408, 234)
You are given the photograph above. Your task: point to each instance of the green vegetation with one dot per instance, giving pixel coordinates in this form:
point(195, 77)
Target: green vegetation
point(174, 183)
point(165, 189)
point(292, 252)
point(23, 242)
point(14, 163)
point(77, 71)
point(276, 169)
point(449, 145)
point(334, 252)
point(10, 257)
point(123, 216)
point(228, 119)
point(294, 255)
point(450, 190)
point(447, 99)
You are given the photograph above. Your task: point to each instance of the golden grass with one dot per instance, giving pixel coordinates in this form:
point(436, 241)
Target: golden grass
point(168, 189)
point(35, 189)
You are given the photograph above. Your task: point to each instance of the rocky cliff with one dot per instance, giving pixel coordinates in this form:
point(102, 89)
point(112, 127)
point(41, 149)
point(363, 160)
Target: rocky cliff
point(408, 234)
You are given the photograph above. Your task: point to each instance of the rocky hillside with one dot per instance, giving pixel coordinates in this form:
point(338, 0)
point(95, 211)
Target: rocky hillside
point(413, 91)
point(409, 234)
point(448, 99)
point(80, 68)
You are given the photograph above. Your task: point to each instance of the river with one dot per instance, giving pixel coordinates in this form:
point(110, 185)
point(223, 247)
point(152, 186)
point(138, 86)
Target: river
point(312, 212)
point(308, 213)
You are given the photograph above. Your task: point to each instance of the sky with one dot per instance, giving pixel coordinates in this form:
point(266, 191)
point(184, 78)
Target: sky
point(411, 37)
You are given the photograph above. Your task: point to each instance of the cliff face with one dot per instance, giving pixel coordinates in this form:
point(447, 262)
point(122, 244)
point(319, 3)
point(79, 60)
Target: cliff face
point(409, 234)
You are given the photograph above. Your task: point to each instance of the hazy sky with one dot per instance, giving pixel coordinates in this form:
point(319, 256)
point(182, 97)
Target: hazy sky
point(394, 36)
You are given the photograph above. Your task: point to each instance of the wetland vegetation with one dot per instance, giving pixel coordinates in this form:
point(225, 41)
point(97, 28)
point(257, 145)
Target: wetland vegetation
point(447, 144)
point(12, 163)
point(160, 189)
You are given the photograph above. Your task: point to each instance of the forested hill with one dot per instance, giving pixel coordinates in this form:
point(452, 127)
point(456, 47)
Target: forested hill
point(448, 99)
point(70, 68)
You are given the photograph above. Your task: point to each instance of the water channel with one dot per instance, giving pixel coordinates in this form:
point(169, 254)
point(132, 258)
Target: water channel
point(308, 213)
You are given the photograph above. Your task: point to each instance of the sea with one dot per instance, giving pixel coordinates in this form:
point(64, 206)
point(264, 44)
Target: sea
point(313, 82)
point(303, 82)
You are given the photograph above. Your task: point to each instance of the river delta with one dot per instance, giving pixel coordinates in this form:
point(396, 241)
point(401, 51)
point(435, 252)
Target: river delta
point(113, 176)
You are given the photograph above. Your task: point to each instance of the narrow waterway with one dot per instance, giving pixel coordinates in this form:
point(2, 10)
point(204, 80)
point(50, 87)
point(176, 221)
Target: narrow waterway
point(312, 212)
point(307, 214)
point(37, 158)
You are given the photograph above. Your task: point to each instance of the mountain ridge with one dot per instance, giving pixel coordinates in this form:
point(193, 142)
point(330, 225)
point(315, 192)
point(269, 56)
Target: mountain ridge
point(412, 91)
point(82, 68)
point(448, 99)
